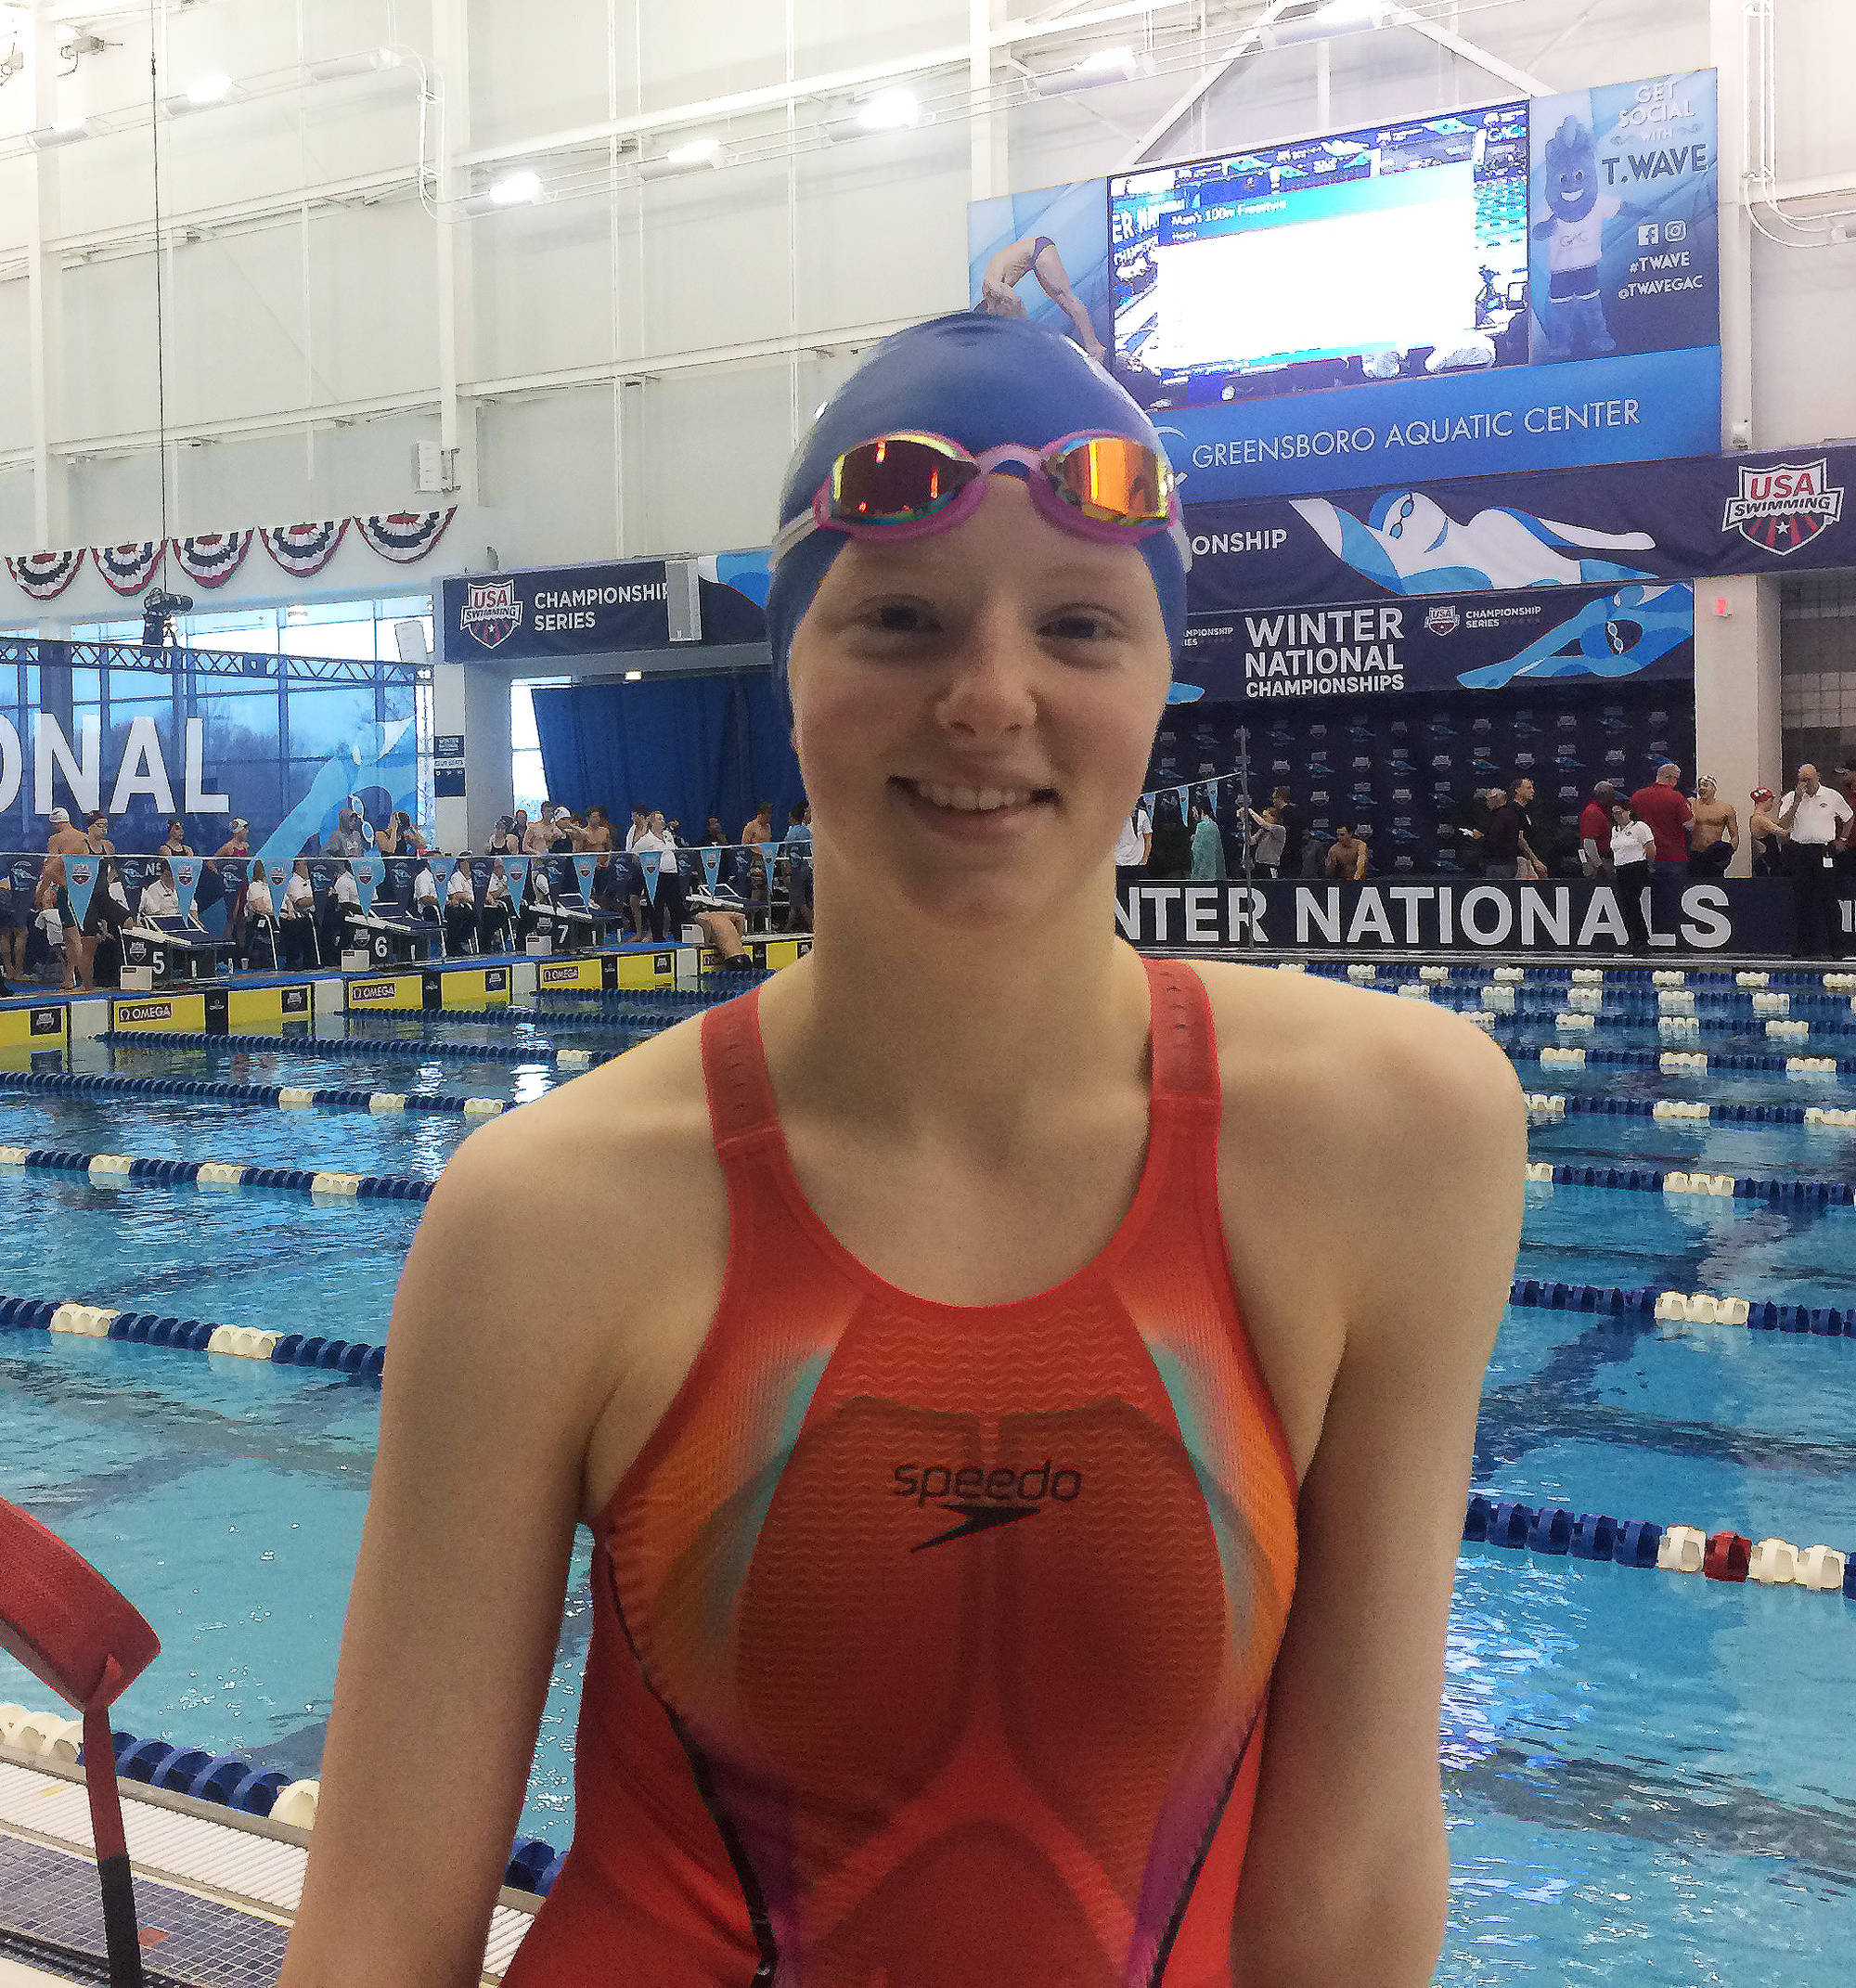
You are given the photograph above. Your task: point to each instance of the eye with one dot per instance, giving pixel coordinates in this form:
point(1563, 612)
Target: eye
point(899, 617)
point(1079, 625)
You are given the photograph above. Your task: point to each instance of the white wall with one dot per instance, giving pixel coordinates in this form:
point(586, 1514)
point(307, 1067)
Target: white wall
point(278, 322)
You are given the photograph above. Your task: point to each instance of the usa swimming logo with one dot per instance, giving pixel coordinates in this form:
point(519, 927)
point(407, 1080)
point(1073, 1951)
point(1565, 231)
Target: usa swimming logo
point(1783, 507)
point(491, 613)
point(1441, 620)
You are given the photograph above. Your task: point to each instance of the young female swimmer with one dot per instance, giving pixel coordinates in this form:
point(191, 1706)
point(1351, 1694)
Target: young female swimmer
point(1024, 1517)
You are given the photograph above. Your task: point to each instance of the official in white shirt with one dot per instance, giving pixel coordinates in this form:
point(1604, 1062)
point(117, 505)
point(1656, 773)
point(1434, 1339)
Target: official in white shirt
point(1817, 820)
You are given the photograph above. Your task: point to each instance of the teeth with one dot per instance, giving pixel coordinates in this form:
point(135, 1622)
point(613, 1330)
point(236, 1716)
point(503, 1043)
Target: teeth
point(974, 800)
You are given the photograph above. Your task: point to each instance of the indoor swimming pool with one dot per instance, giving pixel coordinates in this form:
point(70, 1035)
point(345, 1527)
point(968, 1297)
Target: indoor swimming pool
point(1647, 1775)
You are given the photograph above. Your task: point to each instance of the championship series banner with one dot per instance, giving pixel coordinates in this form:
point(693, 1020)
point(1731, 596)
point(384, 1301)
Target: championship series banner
point(1699, 518)
point(1502, 288)
point(1462, 642)
point(556, 611)
point(1743, 914)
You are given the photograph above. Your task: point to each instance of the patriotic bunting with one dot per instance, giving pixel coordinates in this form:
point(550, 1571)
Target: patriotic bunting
point(128, 569)
point(303, 549)
point(405, 535)
point(46, 575)
point(211, 559)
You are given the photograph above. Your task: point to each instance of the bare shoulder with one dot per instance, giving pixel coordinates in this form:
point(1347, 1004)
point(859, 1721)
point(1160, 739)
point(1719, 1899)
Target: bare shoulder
point(1370, 1066)
point(573, 1213)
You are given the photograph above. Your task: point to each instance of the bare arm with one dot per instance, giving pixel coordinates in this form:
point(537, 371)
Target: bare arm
point(1345, 1875)
point(457, 1602)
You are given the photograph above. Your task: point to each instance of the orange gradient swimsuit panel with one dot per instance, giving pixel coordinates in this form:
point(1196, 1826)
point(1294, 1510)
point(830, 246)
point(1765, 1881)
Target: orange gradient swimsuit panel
point(931, 1643)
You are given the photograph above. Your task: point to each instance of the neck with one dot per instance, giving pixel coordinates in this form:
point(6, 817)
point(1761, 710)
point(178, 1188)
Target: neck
point(973, 1038)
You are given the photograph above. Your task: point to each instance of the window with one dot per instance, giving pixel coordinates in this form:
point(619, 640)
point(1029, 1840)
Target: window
point(530, 780)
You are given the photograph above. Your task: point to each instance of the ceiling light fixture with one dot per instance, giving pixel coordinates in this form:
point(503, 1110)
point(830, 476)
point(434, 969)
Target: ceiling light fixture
point(699, 155)
point(62, 131)
point(890, 110)
point(201, 93)
point(1321, 23)
point(1107, 64)
point(514, 189)
point(369, 61)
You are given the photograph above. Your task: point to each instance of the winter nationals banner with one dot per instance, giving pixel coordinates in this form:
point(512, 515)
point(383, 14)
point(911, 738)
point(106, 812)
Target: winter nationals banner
point(1698, 517)
point(1463, 642)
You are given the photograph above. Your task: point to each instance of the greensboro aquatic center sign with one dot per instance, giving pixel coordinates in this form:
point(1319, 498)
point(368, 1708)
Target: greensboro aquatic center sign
point(1742, 914)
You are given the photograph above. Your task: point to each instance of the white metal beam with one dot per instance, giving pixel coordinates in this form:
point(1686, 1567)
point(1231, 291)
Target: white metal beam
point(43, 282)
point(1434, 30)
point(453, 277)
point(1206, 78)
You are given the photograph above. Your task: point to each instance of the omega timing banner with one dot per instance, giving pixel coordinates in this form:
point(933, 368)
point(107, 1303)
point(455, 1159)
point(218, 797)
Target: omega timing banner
point(557, 611)
point(1509, 286)
point(1741, 914)
point(1699, 518)
point(1460, 641)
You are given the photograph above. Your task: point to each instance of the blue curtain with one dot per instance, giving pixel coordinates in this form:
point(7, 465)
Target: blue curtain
point(694, 746)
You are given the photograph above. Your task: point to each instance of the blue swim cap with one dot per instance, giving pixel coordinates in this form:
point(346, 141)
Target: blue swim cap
point(980, 380)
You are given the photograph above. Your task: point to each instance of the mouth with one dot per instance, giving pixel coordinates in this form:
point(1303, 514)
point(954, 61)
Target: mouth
point(974, 811)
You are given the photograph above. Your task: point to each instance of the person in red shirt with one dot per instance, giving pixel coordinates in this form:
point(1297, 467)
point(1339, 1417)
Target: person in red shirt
point(1667, 813)
point(1594, 831)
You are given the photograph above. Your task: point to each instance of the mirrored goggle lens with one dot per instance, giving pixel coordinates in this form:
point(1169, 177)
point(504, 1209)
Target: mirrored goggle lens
point(898, 477)
point(1114, 477)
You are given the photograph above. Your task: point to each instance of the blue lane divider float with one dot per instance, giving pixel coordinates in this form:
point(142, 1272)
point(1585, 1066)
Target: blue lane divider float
point(1609, 1301)
point(283, 1096)
point(234, 1784)
point(1654, 1180)
point(356, 1359)
point(215, 1173)
point(1635, 1542)
point(380, 1049)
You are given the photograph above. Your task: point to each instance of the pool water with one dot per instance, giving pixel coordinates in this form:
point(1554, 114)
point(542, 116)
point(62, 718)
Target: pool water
point(1648, 1778)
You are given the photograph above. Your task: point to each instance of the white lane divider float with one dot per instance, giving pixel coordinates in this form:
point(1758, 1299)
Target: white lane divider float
point(1831, 1115)
point(1698, 1308)
point(1555, 1058)
point(387, 1101)
point(48, 1735)
point(1777, 1028)
point(1673, 1060)
point(335, 1183)
point(1680, 1108)
point(88, 1322)
point(219, 1173)
point(1810, 1066)
point(248, 1342)
point(295, 1096)
point(1698, 1183)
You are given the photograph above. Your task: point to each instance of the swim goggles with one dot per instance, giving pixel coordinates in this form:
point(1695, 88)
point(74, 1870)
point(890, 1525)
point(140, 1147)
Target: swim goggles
point(898, 485)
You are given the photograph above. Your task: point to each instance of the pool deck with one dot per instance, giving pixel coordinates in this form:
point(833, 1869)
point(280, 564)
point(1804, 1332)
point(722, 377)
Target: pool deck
point(214, 1894)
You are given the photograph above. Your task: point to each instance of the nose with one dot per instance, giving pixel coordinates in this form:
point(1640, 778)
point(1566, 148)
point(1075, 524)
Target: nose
point(989, 692)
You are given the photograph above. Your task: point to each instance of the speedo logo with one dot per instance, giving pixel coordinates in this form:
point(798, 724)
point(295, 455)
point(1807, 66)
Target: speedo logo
point(984, 1499)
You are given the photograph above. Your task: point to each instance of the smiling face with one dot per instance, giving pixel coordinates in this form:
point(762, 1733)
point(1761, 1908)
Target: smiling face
point(1004, 655)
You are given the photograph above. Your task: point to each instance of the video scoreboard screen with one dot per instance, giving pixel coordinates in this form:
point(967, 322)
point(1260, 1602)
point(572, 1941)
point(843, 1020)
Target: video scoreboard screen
point(1375, 254)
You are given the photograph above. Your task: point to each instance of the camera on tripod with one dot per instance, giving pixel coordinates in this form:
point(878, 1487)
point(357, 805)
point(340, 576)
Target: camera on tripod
point(158, 608)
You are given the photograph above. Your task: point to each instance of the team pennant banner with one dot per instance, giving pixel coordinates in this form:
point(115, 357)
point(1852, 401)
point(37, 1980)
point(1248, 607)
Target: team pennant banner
point(515, 868)
point(303, 549)
point(45, 576)
point(711, 866)
point(210, 559)
point(649, 861)
point(79, 883)
point(184, 871)
point(584, 867)
point(441, 868)
point(368, 871)
point(405, 535)
point(128, 569)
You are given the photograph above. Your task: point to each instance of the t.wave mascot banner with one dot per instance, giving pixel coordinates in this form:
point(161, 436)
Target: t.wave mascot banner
point(1747, 914)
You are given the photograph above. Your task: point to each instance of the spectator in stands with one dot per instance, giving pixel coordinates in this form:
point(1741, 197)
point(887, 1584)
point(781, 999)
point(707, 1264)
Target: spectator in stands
point(347, 838)
point(1134, 846)
point(1844, 780)
point(1268, 840)
point(175, 841)
point(1169, 849)
point(296, 917)
point(1767, 837)
point(1818, 822)
point(1662, 806)
point(1208, 847)
point(261, 919)
point(798, 847)
point(343, 897)
point(1347, 855)
point(400, 838)
point(1633, 863)
point(12, 931)
point(159, 898)
point(1713, 832)
point(496, 922)
point(1505, 849)
point(1594, 831)
point(462, 933)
